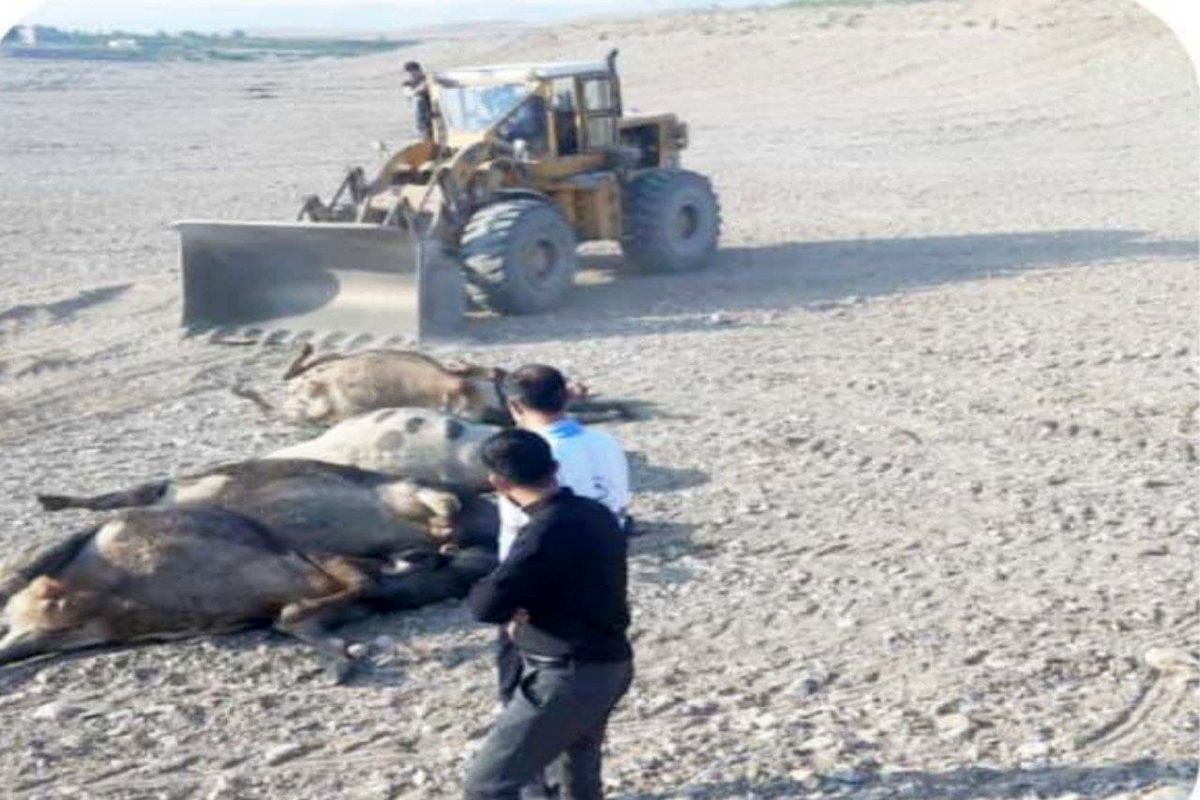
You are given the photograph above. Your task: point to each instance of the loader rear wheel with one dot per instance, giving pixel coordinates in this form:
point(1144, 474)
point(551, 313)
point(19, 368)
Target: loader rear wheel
point(672, 221)
point(518, 256)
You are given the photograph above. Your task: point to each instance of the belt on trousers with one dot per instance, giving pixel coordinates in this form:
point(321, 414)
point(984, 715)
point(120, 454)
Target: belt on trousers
point(548, 661)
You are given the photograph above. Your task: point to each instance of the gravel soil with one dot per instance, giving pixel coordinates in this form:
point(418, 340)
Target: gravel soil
point(920, 503)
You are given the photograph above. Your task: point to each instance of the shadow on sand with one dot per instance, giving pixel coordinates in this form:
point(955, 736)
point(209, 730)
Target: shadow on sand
point(974, 783)
point(810, 274)
point(62, 309)
point(647, 477)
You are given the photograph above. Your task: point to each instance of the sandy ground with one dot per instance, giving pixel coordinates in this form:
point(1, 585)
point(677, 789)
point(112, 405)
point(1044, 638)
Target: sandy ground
point(923, 496)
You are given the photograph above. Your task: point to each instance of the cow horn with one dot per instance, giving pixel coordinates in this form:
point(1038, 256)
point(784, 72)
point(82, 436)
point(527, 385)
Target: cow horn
point(297, 365)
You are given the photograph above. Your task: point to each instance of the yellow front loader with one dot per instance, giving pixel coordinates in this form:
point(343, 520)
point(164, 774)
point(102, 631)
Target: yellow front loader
point(523, 163)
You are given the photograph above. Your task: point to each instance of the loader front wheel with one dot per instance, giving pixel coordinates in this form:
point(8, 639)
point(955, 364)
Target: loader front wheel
point(672, 221)
point(518, 256)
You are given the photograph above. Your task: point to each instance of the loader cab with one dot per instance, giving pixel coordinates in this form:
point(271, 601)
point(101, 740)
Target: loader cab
point(466, 111)
point(586, 113)
point(556, 110)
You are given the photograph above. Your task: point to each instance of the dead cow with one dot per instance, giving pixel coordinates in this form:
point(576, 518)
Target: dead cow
point(155, 574)
point(318, 506)
point(424, 446)
point(334, 387)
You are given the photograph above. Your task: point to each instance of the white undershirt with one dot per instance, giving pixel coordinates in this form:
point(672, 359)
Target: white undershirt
point(590, 464)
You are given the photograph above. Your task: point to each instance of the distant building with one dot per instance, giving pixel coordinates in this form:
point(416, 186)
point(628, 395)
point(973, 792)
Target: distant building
point(122, 44)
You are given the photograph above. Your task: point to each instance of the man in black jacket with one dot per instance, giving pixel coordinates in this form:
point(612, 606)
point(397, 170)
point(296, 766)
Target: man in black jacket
point(562, 592)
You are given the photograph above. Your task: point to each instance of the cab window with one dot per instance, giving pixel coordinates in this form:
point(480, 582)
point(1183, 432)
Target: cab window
point(597, 94)
point(600, 116)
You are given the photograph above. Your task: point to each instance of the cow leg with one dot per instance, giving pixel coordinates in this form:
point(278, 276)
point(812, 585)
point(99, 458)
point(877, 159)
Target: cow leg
point(472, 563)
point(413, 589)
point(254, 396)
point(589, 410)
point(147, 494)
point(310, 619)
point(444, 506)
point(443, 578)
point(332, 650)
point(20, 646)
point(434, 507)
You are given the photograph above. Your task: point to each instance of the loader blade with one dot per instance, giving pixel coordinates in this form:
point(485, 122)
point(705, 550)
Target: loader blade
point(335, 281)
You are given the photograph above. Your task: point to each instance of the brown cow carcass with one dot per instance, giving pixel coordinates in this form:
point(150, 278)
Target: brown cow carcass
point(167, 573)
point(299, 545)
point(315, 505)
point(333, 387)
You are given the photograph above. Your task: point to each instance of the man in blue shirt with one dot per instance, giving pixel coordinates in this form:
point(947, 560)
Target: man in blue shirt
point(590, 463)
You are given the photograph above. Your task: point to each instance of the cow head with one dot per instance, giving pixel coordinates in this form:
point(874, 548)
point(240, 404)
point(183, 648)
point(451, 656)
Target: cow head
point(482, 396)
point(49, 616)
point(309, 399)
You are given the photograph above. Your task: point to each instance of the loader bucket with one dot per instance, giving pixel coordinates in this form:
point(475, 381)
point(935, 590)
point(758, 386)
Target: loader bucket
point(328, 282)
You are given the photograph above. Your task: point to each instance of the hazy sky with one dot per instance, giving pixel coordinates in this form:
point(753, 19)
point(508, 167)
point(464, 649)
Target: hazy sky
point(350, 15)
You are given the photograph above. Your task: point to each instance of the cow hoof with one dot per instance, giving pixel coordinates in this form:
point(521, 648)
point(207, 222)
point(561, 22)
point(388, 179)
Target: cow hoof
point(340, 668)
point(441, 528)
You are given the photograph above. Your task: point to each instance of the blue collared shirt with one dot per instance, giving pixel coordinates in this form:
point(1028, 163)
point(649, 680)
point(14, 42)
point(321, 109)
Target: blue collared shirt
point(590, 463)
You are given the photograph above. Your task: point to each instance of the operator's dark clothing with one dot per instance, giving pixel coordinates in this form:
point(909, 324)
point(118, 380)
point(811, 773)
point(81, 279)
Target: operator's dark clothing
point(529, 123)
point(422, 106)
point(567, 570)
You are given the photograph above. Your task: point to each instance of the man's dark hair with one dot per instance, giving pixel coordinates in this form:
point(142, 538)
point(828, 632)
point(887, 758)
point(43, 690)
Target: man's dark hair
point(538, 387)
point(520, 457)
point(412, 66)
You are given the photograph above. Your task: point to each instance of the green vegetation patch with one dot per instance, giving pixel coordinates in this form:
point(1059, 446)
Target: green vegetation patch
point(48, 42)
